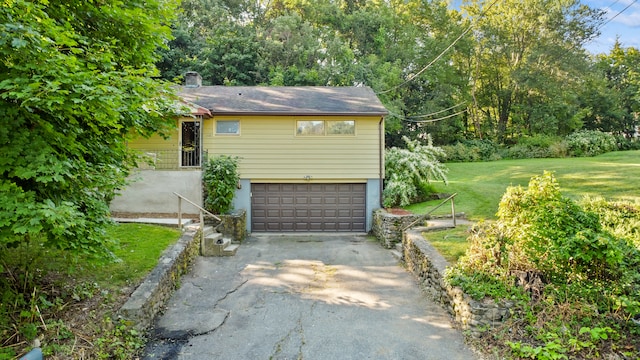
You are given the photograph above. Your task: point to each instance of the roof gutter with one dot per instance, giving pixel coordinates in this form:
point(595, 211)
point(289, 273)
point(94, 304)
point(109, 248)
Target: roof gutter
point(285, 113)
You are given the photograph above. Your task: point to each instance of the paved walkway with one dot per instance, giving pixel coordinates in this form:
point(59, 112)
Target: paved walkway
point(304, 297)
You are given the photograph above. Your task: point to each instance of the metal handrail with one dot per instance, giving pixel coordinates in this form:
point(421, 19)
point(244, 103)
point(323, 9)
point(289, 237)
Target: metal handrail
point(453, 212)
point(180, 198)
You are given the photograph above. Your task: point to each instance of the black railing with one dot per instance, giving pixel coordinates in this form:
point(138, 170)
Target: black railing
point(170, 159)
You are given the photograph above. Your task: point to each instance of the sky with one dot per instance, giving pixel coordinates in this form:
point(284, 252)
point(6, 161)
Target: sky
point(622, 23)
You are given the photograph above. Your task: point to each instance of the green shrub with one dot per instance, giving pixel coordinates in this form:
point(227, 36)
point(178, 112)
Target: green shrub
point(408, 172)
point(220, 180)
point(539, 141)
point(472, 150)
point(590, 143)
point(579, 267)
point(621, 218)
point(625, 143)
point(520, 151)
point(540, 230)
point(559, 149)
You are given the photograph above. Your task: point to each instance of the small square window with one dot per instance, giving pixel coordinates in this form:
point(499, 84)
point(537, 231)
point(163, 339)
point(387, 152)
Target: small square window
point(310, 127)
point(227, 127)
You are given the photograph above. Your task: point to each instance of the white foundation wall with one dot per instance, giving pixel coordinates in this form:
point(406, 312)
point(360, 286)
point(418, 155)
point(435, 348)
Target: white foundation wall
point(151, 191)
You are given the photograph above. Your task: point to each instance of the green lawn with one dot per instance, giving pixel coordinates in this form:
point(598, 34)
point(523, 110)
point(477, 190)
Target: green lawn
point(140, 247)
point(480, 185)
point(451, 243)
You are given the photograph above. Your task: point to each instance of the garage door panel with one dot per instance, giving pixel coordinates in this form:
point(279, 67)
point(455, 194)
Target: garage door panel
point(283, 213)
point(308, 207)
point(317, 213)
point(315, 227)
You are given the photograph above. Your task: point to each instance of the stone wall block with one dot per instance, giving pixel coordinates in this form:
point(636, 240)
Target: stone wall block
point(426, 263)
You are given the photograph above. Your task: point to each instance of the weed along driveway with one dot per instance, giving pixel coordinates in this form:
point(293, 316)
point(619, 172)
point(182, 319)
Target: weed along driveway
point(304, 297)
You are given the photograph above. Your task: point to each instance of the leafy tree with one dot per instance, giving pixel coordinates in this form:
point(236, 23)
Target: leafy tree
point(408, 171)
point(75, 81)
point(617, 109)
point(527, 64)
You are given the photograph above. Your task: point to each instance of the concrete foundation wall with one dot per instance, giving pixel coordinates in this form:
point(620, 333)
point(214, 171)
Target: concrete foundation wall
point(373, 201)
point(151, 191)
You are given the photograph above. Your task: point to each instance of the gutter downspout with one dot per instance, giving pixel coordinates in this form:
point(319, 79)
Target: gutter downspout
point(381, 156)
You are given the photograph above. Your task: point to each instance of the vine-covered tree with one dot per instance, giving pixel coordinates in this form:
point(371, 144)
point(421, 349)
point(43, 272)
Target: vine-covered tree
point(75, 81)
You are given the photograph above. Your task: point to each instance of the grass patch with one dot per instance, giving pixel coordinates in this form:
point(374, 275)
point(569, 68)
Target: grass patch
point(480, 185)
point(68, 300)
point(450, 243)
point(140, 247)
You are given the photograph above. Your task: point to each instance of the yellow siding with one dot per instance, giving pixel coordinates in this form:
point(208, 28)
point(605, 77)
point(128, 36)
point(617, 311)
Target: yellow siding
point(156, 142)
point(270, 150)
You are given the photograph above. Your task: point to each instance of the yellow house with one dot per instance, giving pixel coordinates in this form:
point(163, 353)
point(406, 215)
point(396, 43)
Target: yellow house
point(311, 158)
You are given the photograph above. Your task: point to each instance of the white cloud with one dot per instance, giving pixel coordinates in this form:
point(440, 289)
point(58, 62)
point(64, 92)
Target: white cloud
point(630, 19)
point(630, 15)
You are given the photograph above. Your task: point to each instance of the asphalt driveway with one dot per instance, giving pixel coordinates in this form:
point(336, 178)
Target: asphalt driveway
point(304, 297)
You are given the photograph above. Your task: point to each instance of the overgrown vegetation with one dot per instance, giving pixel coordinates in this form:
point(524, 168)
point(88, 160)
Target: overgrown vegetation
point(577, 144)
point(576, 271)
point(68, 301)
point(409, 172)
point(220, 180)
point(76, 81)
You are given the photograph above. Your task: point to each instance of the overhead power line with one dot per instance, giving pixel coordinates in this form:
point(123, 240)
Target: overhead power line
point(435, 120)
point(437, 112)
point(414, 76)
point(619, 12)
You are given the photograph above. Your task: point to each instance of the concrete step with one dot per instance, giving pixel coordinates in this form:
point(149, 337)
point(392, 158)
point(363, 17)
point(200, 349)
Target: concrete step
point(216, 245)
point(213, 237)
point(231, 249)
point(206, 230)
point(396, 254)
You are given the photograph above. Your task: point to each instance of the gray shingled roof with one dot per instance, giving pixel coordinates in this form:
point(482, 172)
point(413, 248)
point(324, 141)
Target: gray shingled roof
point(285, 100)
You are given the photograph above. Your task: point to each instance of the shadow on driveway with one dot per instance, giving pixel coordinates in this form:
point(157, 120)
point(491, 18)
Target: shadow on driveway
point(309, 297)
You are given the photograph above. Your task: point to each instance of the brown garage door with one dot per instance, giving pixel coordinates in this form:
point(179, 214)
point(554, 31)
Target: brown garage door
point(308, 207)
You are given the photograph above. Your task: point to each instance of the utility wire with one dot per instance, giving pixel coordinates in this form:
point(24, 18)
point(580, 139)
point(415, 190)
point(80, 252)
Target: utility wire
point(619, 12)
point(616, 15)
point(438, 119)
point(414, 76)
point(437, 112)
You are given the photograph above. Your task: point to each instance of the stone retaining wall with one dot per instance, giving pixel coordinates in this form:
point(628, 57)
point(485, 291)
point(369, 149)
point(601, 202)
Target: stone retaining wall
point(387, 227)
point(233, 225)
point(426, 263)
point(149, 298)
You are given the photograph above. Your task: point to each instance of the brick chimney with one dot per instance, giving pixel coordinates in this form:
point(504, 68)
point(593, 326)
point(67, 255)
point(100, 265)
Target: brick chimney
point(192, 79)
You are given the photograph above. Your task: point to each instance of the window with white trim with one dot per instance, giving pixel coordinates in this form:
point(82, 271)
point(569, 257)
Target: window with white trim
point(227, 127)
point(325, 127)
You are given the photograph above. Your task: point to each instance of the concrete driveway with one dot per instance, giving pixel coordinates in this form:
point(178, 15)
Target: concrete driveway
point(304, 297)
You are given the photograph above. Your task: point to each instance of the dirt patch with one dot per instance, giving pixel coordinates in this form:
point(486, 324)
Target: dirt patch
point(398, 211)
